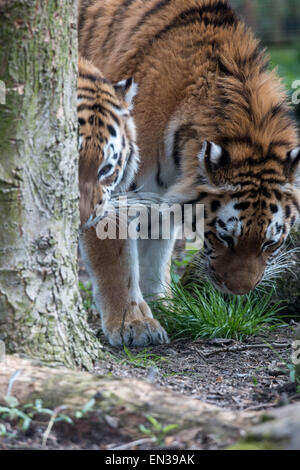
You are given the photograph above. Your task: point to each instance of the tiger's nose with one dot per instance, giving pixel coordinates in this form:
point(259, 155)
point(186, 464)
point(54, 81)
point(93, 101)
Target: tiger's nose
point(242, 286)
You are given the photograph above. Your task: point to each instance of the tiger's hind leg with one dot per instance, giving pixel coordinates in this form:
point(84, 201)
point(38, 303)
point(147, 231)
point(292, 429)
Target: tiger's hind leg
point(114, 269)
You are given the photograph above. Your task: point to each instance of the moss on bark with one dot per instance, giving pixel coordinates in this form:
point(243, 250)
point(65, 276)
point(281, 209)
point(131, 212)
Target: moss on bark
point(41, 312)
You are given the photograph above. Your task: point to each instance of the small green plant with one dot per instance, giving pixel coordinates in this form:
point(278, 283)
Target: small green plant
point(85, 409)
point(142, 359)
point(11, 412)
point(86, 294)
point(157, 431)
point(254, 380)
point(202, 311)
point(290, 368)
point(24, 415)
point(5, 433)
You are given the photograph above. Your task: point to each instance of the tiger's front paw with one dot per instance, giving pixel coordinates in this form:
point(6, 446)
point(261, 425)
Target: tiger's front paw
point(138, 329)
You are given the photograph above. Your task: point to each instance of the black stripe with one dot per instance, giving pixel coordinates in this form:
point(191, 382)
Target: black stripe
point(281, 110)
point(101, 109)
point(250, 60)
point(276, 182)
point(130, 156)
point(242, 206)
point(160, 4)
point(86, 89)
point(253, 185)
point(83, 13)
point(159, 181)
point(85, 97)
point(93, 78)
point(295, 203)
point(90, 77)
point(184, 132)
point(115, 105)
point(250, 193)
point(176, 150)
point(277, 194)
point(258, 175)
point(96, 16)
point(260, 161)
point(111, 130)
point(243, 140)
point(105, 92)
point(278, 143)
point(224, 16)
point(116, 20)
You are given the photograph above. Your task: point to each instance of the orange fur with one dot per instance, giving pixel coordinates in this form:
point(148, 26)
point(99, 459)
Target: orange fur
point(214, 126)
point(202, 77)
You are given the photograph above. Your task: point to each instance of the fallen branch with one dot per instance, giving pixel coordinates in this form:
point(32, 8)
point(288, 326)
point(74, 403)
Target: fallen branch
point(247, 347)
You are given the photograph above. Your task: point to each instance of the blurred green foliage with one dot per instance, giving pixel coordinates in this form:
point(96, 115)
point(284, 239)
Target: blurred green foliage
point(273, 20)
point(287, 60)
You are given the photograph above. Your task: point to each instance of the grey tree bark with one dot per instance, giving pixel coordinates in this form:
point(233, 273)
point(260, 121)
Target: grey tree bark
point(41, 313)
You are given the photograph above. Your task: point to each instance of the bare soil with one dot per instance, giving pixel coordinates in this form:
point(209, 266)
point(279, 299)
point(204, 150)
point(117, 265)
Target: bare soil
point(239, 376)
point(251, 376)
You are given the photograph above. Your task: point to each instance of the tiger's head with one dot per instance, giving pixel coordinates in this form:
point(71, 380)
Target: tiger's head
point(108, 158)
point(250, 205)
point(239, 154)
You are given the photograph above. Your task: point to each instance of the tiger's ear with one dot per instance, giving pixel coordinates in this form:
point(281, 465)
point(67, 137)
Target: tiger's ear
point(212, 159)
point(126, 90)
point(292, 169)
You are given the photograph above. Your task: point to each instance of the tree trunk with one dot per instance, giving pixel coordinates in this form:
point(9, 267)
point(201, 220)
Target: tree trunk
point(41, 313)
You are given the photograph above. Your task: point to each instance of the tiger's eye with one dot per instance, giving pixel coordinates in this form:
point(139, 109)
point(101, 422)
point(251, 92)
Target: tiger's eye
point(105, 170)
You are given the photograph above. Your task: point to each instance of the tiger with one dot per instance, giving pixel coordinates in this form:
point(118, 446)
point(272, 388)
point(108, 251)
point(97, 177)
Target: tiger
point(214, 127)
point(108, 153)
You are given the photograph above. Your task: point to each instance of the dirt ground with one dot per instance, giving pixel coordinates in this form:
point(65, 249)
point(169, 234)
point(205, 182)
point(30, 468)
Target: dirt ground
point(239, 376)
point(249, 376)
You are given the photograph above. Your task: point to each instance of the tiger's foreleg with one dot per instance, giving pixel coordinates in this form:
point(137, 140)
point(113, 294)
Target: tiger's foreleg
point(155, 262)
point(114, 269)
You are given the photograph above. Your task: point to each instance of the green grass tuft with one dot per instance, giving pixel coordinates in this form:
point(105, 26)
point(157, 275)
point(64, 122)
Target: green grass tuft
point(204, 312)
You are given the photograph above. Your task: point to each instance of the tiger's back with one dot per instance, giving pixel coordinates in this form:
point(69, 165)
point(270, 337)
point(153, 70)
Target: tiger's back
point(176, 50)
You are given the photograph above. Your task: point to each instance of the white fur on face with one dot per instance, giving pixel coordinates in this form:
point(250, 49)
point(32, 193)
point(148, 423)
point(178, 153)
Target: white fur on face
point(274, 231)
point(215, 153)
point(112, 152)
point(229, 223)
